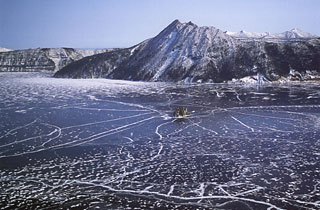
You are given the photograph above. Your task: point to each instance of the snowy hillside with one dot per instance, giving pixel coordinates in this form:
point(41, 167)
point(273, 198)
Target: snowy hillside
point(4, 50)
point(42, 59)
point(187, 52)
point(292, 35)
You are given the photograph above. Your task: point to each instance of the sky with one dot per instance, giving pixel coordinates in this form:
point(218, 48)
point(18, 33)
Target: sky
point(123, 23)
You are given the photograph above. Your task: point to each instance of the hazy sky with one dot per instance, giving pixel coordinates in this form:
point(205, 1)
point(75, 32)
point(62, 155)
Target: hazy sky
point(123, 23)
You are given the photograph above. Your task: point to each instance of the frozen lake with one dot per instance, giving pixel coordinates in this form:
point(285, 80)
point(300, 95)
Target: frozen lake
point(115, 145)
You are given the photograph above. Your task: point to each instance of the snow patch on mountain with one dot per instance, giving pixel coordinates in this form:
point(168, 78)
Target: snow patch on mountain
point(246, 34)
point(5, 49)
point(257, 79)
point(291, 35)
point(163, 68)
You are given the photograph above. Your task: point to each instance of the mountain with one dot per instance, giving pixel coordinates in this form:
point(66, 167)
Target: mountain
point(287, 36)
point(42, 59)
point(4, 49)
point(187, 52)
point(181, 50)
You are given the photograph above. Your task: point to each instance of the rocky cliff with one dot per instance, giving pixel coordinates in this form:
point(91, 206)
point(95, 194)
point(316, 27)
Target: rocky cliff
point(187, 52)
point(42, 59)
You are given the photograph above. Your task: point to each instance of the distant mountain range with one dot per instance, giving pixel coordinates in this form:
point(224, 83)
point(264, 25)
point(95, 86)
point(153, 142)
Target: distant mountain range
point(187, 52)
point(41, 59)
point(294, 34)
point(4, 49)
point(181, 52)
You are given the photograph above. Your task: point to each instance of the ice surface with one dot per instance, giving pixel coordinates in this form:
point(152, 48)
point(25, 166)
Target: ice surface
point(112, 144)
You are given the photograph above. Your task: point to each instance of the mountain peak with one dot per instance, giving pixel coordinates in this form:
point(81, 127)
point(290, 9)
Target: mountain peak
point(176, 26)
point(190, 23)
point(297, 33)
point(189, 53)
point(295, 29)
point(175, 22)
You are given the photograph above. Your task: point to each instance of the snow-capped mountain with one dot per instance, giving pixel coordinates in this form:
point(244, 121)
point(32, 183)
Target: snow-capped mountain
point(181, 50)
point(292, 35)
point(42, 59)
point(296, 34)
point(187, 52)
point(4, 49)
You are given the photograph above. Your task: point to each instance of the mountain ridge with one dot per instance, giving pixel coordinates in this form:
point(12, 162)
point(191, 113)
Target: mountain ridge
point(180, 52)
point(294, 34)
point(5, 49)
point(42, 59)
point(187, 52)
